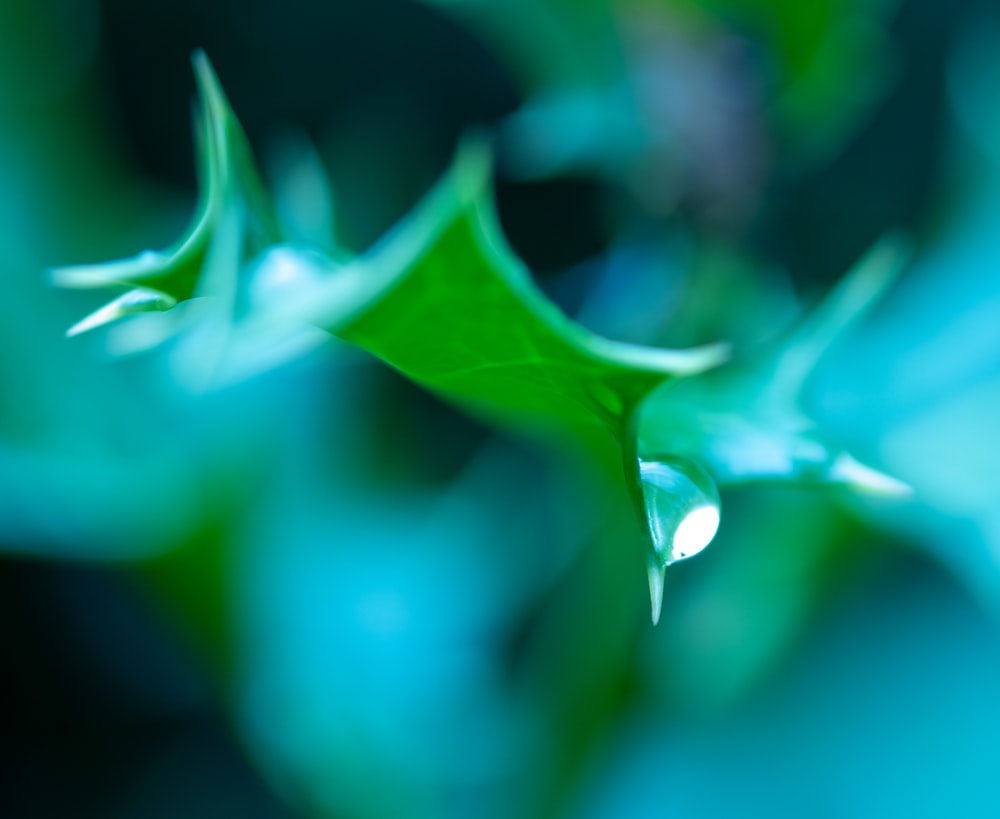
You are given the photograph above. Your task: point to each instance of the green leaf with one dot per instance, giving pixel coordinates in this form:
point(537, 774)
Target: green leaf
point(746, 422)
point(228, 184)
point(442, 299)
point(446, 302)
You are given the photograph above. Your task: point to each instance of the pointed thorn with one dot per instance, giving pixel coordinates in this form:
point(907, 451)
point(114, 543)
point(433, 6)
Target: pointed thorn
point(656, 572)
point(209, 88)
point(139, 300)
point(863, 478)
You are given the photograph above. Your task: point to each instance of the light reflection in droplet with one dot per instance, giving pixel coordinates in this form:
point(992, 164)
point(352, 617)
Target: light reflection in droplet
point(695, 532)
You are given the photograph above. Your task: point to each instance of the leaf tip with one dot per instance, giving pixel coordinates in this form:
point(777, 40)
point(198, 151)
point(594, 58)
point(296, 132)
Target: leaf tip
point(213, 99)
point(851, 472)
point(139, 300)
point(656, 573)
point(474, 164)
point(203, 71)
point(880, 267)
point(77, 276)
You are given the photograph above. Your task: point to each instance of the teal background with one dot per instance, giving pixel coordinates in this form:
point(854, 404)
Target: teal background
point(321, 592)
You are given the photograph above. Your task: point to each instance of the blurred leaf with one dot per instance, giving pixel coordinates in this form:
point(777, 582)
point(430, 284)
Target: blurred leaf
point(303, 197)
point(588, 70)
point(445, 301)
point(442, 299)
point(746, 422)
point(229, 184)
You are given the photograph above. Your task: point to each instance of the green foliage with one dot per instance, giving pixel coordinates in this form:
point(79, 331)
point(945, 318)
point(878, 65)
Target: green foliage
point(445, 301)
point(449, 305)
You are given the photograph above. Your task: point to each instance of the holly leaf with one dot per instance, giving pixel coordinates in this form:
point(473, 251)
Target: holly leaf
point(746, 421)
point(443, 298)
point(446, 302)
point(229, 190)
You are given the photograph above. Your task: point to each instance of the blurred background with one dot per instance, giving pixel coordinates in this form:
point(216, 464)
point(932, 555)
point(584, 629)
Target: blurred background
point(320, 592)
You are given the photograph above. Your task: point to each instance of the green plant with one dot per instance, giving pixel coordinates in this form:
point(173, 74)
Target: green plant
point(445, 301)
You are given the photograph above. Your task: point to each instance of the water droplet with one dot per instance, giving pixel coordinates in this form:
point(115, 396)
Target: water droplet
point(682, 509)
